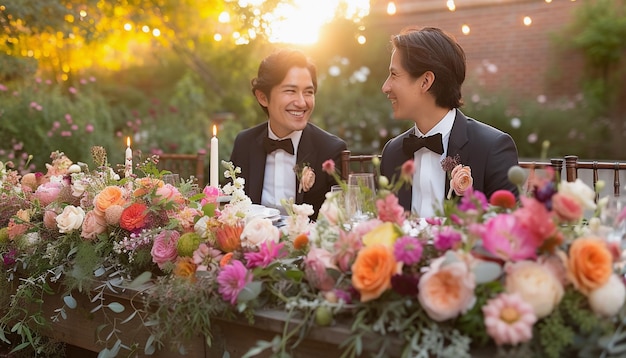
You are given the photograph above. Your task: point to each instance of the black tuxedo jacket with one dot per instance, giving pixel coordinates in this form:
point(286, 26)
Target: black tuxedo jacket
point(316, 146)
point(488, 151)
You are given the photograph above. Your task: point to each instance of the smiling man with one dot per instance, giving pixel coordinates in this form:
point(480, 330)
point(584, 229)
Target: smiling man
point(282, 157)
point(426, 72)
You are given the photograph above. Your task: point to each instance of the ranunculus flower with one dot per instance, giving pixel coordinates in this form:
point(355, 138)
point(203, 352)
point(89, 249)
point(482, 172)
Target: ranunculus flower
point(111, 195)
point(503, 198)
point(168, 193)
point(164, 247)
point(372, 271)
point(188, 243)
point(258, 231)
point(509, 319)
point(589, 264)
point(461, 179)
point(307, 179)
point(536, 284)
point(445, 291)
point(316, 263)
point(134, 217)
point(608, 299)
point(566, 208)
point(93, 225)
point(70, 219)
point(504, 237)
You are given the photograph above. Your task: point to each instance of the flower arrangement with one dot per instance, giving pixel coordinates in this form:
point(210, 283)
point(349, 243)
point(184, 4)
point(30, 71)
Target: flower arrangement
point(531, 277)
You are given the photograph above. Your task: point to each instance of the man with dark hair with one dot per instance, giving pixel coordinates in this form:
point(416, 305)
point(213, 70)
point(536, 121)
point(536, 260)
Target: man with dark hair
point(282, 158)
point(426, 72)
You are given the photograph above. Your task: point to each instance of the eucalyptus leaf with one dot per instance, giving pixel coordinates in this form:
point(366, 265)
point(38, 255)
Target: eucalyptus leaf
point(250, 292)
point(450, 258)
point(99, 272)
point(70, 301)
point(487, 271)
point(140, 280)
point(116, 307)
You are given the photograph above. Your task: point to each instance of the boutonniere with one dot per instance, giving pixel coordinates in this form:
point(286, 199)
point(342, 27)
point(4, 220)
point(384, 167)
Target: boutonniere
point(460, 175)
point(306, 177)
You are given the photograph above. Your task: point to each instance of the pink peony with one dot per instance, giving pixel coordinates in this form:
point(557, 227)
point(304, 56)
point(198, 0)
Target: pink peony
point(232, 279)
point(508, 319)
point(48, 192)
point(164, 247)
point(504, 237)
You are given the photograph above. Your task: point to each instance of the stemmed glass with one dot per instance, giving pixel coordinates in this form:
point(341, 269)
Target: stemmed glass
point(613, 218)
point(359, 198)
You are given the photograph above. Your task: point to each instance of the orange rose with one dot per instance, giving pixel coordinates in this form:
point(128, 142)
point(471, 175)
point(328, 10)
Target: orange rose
point(461, 179)
point(372, 271)
point(111, 195)
point(590, 264)
point(134, 217)
point(185, 267)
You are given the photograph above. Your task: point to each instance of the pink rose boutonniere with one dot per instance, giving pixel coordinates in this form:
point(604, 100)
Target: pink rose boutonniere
point(460, 175)
point(306, 177)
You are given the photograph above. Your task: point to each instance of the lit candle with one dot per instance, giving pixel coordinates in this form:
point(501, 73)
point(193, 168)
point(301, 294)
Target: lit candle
point(214, 181)
point(128, 164)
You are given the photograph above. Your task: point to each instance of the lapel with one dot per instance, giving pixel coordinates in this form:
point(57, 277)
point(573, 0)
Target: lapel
point(456, 143)
point(305, 154)
point(257, 166)
point(405, 194)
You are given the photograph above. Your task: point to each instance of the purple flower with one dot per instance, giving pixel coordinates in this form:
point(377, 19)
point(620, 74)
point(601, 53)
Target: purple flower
point(232, 279)
point(446, 238)
point(408, 250)
point(268, 252)
point(8, 259)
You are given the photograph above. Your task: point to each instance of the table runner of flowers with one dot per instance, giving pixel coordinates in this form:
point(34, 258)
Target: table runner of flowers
point(527, 276)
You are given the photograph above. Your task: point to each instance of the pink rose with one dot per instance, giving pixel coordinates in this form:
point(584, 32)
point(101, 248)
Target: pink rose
point(461, 179)
point(48, 192)
point(93, 225)
point(211, 194)
point(164, 247)
point(446, 291)
point(258, 231)
point(567, 208)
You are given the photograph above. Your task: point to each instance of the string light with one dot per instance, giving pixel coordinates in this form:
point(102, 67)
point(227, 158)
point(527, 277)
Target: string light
point(451, 6)
point(527, 20)
point(391, 8)
point(465, 29)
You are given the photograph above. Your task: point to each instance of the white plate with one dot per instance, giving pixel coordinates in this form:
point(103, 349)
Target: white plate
point(260, 211)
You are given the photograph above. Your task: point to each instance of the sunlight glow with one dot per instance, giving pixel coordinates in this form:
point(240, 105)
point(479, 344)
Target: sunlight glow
point(527, 20)
point(465, 29)
point(300, 22)
point(391, 8)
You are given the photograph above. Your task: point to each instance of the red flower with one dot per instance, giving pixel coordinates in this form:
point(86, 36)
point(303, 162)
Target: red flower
point(503, 198)
point(134, 217)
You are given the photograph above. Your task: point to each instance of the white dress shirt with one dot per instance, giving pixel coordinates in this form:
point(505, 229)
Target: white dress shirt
point(279, 181)
point(429, 178)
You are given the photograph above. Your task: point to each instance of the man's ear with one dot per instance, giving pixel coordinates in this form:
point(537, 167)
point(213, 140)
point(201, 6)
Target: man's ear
point(428, 78)
point(262, 98)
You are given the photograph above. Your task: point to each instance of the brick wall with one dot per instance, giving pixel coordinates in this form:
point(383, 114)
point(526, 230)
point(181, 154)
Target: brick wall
point(503, 54)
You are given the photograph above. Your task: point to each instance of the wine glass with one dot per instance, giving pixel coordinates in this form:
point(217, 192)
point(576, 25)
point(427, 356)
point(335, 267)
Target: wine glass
point(359, 198)
point(613, 221)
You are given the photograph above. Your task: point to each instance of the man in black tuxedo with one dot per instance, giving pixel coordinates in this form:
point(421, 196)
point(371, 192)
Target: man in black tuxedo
point(426, 72)
point(273, 154)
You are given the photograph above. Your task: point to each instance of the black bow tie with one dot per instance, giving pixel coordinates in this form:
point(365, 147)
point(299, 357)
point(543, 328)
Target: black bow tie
point(271, 145)
point(413, 143)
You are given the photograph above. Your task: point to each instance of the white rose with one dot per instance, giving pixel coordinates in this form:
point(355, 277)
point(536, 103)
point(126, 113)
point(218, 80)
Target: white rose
point(70, 219)
point(536, 283)
point(608, 299)
point(580, 191)
point(330, 210)
point(257, 231)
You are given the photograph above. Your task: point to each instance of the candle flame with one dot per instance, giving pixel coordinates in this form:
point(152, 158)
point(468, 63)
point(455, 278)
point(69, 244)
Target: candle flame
point(128, 141)
point(214, 130)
